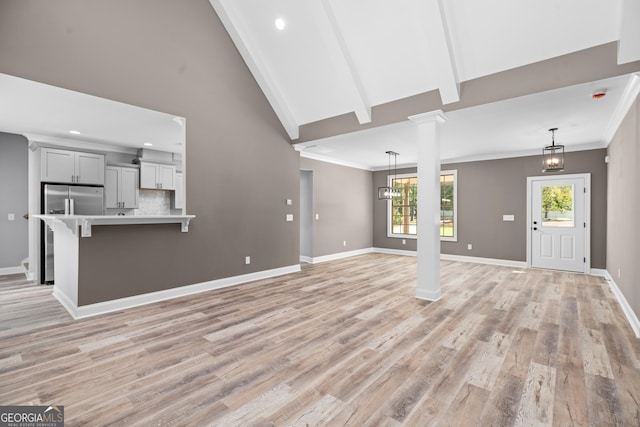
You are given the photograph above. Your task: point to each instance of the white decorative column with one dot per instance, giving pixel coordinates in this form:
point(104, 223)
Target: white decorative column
point(428, 141)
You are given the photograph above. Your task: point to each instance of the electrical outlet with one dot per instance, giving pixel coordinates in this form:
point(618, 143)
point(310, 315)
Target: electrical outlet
point(469, 246)
point(247, 260)
point(344, 243)
point(11, 217)
point(317, 217)
point(404, 241)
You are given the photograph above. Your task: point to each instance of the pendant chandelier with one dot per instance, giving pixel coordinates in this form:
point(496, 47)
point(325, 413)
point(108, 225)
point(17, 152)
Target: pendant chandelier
point(388, 193)
point(553, 155)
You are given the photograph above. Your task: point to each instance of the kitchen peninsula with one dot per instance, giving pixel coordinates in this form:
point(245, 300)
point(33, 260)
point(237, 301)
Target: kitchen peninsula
point(70, 229)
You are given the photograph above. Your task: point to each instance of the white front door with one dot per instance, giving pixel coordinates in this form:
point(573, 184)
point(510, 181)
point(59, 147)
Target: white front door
point(559, 223)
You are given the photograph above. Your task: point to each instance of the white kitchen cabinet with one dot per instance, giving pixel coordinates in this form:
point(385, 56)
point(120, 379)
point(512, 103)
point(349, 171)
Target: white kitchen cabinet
point(157, 176)
point(178, 195)
point(72, 167)
point(121, 187)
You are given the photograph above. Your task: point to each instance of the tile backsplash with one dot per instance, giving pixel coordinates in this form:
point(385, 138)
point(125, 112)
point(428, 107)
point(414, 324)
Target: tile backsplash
point(153, 202)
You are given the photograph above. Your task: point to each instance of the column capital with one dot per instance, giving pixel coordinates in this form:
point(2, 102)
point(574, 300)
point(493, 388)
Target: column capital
point(430, 117)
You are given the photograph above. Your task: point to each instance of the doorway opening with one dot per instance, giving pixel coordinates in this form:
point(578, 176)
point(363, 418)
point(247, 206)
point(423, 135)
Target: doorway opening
point(306, 216)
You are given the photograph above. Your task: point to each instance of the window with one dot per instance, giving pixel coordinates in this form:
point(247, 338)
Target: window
point(403, 210)
point(557, 206)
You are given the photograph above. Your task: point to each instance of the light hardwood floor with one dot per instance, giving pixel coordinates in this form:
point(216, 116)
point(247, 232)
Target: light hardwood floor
point(340, 343)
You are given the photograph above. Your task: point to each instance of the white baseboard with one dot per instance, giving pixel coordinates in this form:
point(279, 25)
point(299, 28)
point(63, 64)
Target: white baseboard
point(479, 260)
point(427, 295)
point(461, 258)
point(624, 304)
point(388, 251)
point(306, 259)
point(5, 271)
point(598, 272)
point(137, 300)
point(340, 255)
point(63, 299)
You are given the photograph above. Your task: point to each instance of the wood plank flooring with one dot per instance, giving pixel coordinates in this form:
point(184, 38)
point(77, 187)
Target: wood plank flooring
point(340, 343)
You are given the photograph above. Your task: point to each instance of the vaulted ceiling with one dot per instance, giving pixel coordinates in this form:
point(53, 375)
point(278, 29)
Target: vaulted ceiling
point(319, 61)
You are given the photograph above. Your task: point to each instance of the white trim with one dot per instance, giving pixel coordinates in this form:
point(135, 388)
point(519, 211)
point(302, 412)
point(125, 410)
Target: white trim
point(460, 258)
point(428, 296)
point(321, 158)
point(66, 302)
point(4, 271)
point(444, 161)
point(634, 322)
point(599, 272)
point(388, 251)
point(631, 91)
point(307, 259)
point(152, 297)
point(340, 255)
point(520, 153)
point(489, 261)
point(453, 172)
point(45, 141)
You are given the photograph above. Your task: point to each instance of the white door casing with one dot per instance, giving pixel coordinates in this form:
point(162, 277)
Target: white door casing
point(559, 244)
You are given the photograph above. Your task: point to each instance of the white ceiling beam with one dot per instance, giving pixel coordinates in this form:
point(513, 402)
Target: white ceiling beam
point(629, 38)
point(258, 68)
point(331, 34)
point(439, 41)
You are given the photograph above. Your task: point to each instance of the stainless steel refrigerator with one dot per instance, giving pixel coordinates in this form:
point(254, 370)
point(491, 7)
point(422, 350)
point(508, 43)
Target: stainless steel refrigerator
point(66, 199)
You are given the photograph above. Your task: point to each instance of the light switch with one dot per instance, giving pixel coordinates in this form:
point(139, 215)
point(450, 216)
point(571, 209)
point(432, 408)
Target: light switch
point(11, 217)
point(508, 217)
point(289, 217)
point(317, 217)
point(289, 202)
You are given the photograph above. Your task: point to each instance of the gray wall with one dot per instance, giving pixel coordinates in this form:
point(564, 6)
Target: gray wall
point(175, 57)
point(488, 189)
point(13, 199)
point(623, 209)
point(342, 199)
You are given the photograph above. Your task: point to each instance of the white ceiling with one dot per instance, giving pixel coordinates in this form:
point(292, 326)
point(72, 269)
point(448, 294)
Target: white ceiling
point(28, 107)
point(335, 57)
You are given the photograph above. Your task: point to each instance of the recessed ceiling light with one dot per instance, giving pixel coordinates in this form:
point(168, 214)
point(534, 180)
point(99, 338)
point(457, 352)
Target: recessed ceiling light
point(280, 24)
point(148, 144)
point(75, 132)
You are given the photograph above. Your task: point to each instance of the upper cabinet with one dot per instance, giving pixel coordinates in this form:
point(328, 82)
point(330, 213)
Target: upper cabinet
point(157, 176)
point(71, 167)
point(121, 187)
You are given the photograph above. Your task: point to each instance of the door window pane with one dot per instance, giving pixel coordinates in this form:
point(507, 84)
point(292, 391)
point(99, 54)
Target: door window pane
point(557, 206)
